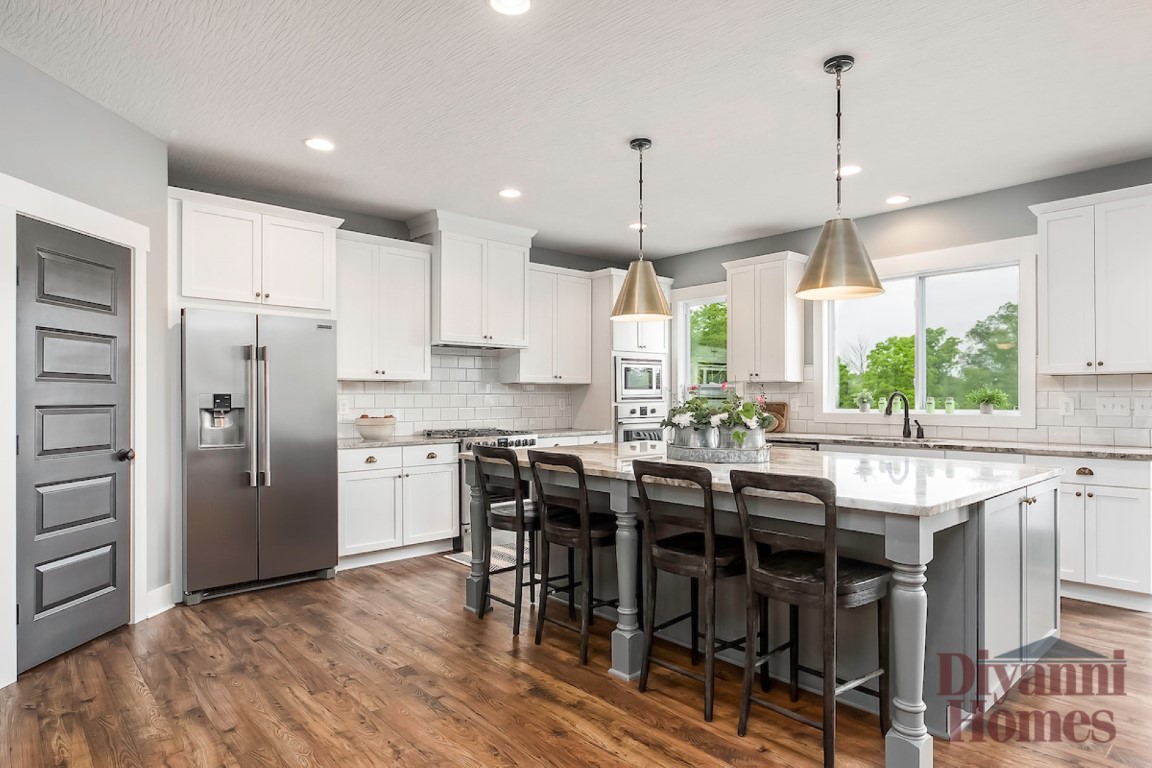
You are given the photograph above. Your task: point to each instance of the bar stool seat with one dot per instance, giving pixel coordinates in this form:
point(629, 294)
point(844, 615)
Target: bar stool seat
point(503, 513)
point(690, 548)
point(600, 524)
point(857, 582)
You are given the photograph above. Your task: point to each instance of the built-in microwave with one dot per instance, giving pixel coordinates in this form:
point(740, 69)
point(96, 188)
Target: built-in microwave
point(639, 378)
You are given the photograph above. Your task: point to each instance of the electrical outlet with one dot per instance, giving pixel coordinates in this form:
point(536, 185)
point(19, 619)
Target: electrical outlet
point(344, 409)
point(1143, 409)
point(1066, 405)
point(796, 402)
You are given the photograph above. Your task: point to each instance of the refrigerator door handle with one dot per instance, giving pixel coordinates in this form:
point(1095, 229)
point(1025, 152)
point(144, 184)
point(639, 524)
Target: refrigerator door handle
point(250, 354)
point(266, 418)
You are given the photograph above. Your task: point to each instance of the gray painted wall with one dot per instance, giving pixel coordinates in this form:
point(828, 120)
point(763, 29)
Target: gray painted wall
point(367, 223)
point(53, 137)
point(994, 215)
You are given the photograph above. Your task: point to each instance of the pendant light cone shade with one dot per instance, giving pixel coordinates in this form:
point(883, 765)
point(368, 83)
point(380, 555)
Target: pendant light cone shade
point(839, 267)
point(641, 297)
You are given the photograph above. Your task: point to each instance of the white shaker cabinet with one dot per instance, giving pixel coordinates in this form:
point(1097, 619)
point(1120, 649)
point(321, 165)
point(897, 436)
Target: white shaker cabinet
point(382, 309)
point(480, 287)
point(369, 510)
point(559, 348)
point(650, 337)
point(1095, 283)
point(231, 250)
point(431, 496)
point(765, 319)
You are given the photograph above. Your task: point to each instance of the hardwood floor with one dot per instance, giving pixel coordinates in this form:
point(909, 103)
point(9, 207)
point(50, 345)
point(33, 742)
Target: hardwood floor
point(383, 667)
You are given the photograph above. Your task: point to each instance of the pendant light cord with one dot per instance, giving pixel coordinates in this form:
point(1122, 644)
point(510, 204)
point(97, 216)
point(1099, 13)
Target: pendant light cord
point(839, 177)
point(641, 203)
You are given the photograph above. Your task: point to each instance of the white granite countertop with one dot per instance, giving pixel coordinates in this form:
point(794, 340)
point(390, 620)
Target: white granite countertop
point(572, 432)
point(903, 485)
point(393, 442)
point(990, 446)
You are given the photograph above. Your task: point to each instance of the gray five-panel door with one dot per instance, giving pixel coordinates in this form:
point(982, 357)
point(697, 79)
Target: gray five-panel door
point(73, 395)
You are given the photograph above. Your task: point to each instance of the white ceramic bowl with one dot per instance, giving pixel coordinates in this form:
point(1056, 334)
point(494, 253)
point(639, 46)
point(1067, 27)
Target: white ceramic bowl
point(376, 427)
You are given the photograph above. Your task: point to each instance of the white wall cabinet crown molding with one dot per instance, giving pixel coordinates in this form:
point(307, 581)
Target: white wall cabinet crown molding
point(1095, 284)
point(238, 251)
point(765, 319)
point(559, 348)
point(383, 312)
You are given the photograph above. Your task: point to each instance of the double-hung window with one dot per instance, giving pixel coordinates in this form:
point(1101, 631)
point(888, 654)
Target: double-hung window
point(953, 329)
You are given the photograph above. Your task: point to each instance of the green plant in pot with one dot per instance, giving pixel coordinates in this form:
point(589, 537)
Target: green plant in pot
point(742, 423)
point(987, 399)
point(864, 400)
point(694, 423)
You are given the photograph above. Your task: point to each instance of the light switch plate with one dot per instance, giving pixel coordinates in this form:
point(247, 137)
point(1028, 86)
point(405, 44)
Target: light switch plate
point(1066, 405)
point(1113, 406)
point(1142, 407)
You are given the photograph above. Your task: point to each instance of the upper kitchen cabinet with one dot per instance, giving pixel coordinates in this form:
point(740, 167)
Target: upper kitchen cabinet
point(1095, 283)
point(559, 349)
point(480, 286)
point(383, 309)
point(240, 251)
point(765, 319)
point(650, 337)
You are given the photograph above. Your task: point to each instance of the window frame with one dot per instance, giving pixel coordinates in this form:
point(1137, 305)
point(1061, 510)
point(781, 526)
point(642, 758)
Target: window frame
point(1020, 252)
point(683, 300)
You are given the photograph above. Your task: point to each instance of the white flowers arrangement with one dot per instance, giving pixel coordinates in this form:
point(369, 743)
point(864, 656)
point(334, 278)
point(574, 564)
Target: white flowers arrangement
point(682, 420)
point(751, 422)
point(716, 419)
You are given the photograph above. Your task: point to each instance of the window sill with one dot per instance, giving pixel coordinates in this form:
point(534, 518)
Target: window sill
point(995, 420)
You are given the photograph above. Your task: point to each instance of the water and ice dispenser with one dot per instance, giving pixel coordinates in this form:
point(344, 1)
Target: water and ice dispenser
point(222, 420)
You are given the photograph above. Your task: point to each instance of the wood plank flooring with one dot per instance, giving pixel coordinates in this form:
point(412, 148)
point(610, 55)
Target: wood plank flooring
point(382, 667)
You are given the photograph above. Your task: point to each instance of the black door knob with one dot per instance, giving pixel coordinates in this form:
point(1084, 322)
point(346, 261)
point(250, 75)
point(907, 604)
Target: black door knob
point(126, 454)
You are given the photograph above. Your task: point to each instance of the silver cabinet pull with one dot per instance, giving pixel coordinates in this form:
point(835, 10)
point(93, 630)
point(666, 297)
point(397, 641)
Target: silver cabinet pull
point(250, 406)
point(370, 460)
point(267, 422)
point(431, 456)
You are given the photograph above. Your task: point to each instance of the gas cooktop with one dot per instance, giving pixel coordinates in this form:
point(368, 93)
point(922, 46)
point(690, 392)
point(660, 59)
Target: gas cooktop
point(502, 438)
point(462, 434)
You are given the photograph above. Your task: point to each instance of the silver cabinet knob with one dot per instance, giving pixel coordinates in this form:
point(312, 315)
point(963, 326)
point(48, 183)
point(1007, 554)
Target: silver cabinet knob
point(1089, 363)
point(258, 294)
point(1078, 494)
point(1090, 494)
point(1099, 363)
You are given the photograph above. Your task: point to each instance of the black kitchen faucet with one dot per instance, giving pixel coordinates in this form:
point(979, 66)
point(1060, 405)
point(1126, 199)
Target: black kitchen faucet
point(907, 421)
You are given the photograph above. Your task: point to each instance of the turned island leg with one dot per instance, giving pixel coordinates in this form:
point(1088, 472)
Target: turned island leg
point(908, 744)
point(627, 639)
point(479, 541)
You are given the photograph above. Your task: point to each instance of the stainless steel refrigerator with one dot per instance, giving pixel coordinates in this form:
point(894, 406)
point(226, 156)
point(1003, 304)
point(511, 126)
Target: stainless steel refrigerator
point(259, 430)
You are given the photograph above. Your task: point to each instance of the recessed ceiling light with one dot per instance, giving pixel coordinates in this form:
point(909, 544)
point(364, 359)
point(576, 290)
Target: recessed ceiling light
point(318, 144)
point(897, 199)
point(510, 193)
point(637, 225)
point(510, 7)
point(850, 170)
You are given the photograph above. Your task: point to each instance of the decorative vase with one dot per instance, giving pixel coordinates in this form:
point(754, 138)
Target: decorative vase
point(712, 437)
point(865, 407)
point(949, 405)
point(695, 437)
point(930, 405)
point(987, 408)
point(753, 438)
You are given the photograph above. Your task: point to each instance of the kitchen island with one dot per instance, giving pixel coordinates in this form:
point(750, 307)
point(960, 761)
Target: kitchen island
point(973, 547)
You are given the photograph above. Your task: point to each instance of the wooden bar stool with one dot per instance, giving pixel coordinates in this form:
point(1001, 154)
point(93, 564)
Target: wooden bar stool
point(803, 571)
point(570, 522)
point(699, 553)
point(506, 509)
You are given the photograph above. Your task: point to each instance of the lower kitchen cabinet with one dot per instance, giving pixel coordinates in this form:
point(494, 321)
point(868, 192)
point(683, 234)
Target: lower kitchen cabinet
point(412, 499)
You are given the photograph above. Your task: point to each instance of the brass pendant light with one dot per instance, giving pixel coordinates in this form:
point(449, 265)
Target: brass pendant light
point(839, 267)
point(641, 298)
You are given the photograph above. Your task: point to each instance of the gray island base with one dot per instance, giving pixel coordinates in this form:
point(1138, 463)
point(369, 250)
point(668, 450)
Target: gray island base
point(973, 547)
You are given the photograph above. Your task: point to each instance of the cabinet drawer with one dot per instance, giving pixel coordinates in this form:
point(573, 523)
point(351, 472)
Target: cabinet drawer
point(364, 459)
point(595, 439)
point(557, 442)
point(421, 455)
point(1117, 472)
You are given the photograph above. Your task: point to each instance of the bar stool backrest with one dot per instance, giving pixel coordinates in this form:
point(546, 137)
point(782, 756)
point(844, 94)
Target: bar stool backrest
point(758, 531)
point(653, 515)
point(548, 460)
point(494, 489)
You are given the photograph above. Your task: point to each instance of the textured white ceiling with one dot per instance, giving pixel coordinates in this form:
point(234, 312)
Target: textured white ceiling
point(442, 103)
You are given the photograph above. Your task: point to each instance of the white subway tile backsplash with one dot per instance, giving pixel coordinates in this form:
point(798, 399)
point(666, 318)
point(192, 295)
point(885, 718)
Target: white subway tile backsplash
point(1098, 436)
point(1064, 434)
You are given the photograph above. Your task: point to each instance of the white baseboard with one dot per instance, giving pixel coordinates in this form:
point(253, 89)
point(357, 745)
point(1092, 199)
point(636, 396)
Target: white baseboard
point(156, 602)
point(392, 555)
point(1117, 598)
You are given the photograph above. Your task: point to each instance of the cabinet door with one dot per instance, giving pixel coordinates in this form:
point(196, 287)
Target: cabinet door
point(537, 361)
point(1066, 275)
point(772, 324)
point(460, 295)
point(625, 336)
point(742, 324)
point(653, 337)
point(1118, 538)
point(1072, 533)
point(404, 339)
point(1124, 286)
point(431, 503)
point(507, 294)
point(573, 349)
point(1041, 568)
point(219, 253)
point(1001, 592)
point(356, 296)
point(369, 507)
point(297, 263)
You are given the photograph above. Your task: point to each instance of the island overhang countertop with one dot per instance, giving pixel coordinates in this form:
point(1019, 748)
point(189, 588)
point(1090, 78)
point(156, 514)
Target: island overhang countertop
point(920, 486)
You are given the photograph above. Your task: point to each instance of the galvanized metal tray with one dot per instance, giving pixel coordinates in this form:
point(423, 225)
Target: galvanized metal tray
point(719, 455)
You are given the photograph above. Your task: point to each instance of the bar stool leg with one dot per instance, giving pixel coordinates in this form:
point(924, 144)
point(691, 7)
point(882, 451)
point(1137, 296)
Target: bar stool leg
point(586, 602)
point(542, 610)
point(765, 672)
point(709, 645)
point(695, 621)
point(571, 581)
point(519, 581)
point(532, 538)
point(829, 636)
point(884, 618)
point(755, 606)
point(794, 651)
point(649, 624)
point(640, 574)
point(486, 578)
